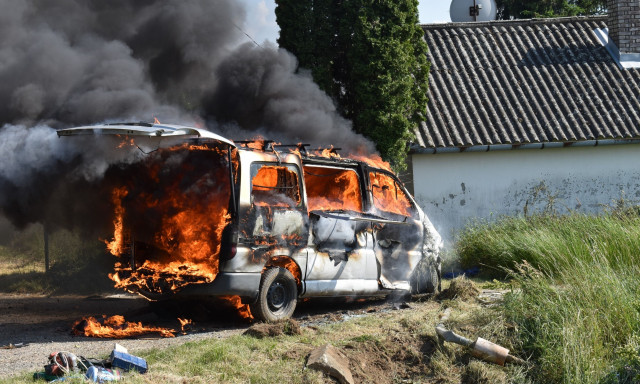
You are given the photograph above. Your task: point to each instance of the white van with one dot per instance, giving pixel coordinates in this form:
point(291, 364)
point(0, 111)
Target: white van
point(268, 223)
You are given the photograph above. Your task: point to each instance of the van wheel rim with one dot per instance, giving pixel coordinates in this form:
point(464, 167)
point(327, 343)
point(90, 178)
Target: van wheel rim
point(277, 296)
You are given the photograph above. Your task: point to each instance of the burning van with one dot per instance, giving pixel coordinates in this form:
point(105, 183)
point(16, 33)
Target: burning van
point(261, 223)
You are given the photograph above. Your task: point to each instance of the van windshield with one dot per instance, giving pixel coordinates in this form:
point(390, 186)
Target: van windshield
point(388, 196)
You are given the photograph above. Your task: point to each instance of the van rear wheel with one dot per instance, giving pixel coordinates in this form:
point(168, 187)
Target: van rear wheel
point(277, 297)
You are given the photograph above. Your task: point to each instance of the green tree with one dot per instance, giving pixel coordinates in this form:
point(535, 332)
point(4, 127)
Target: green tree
point(522, 9)
point(370, 56)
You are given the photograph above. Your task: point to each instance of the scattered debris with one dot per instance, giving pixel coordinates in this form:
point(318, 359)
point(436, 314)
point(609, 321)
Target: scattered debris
point(403, 305)
point(481, 348)
point(120, 358)
point(491, 297)
point(331, 361)
point(61, 363)
point(66, 365)
point(14, 346)
point(100, 374)
point(284, 327)
point(460, 288)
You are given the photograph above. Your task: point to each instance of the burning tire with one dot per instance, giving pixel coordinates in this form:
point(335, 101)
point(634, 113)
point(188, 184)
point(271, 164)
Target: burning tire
point(278, 296)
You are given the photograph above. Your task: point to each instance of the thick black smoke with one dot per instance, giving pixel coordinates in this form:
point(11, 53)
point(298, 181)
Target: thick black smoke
point(71, 62)
point(80, 62)
point(259, 90)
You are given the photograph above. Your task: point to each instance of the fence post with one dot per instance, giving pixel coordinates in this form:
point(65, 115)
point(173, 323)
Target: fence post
point(46, 247)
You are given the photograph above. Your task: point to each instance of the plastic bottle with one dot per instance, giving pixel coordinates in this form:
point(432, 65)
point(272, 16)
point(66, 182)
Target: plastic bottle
point(100, 375)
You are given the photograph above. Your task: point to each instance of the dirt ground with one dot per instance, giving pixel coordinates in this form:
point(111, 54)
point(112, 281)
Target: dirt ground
point(43, 324)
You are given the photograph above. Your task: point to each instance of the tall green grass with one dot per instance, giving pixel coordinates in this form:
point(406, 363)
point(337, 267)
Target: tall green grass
point(576, 309)
point(550, 243)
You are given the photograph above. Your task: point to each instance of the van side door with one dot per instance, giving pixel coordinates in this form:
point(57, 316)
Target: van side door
point(398, 241)
point(340, 250)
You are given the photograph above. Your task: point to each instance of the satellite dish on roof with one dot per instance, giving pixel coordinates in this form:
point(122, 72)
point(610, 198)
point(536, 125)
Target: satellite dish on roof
point(473, 10)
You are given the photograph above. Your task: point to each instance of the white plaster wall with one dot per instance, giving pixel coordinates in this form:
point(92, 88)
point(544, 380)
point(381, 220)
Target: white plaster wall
point(456, 188)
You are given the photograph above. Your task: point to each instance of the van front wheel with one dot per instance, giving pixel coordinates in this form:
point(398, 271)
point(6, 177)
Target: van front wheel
point(277, 297)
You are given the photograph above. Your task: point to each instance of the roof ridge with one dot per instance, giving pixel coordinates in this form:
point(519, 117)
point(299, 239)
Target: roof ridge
point(513, 22)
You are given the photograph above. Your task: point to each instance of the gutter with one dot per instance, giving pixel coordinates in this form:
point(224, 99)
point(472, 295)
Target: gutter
point(415, 149)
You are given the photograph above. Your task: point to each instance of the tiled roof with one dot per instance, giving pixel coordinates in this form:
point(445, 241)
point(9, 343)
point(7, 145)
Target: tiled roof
point(526, 81)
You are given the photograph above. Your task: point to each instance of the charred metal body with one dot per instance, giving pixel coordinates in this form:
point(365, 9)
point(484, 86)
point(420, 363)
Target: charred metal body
point(322, 226)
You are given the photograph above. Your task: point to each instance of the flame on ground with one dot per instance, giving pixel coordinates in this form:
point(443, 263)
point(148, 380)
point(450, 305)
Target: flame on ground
point(115, 327)
point(184, 323)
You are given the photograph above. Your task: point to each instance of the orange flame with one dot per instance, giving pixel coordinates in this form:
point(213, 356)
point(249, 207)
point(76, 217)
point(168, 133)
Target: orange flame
point(271, 186)
point(188, 214)
point(116, 246)
point(374, 161)
point(387, 195)
point(289, 264)
point(125, 141)
point(184, 323)
point(115, 327)
point(235, 302)
point(332, 189)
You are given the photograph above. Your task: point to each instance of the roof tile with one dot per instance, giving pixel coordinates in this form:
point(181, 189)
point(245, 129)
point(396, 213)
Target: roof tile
point(526, 81)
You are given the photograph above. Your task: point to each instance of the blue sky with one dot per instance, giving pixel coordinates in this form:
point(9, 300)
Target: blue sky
point(261, 19)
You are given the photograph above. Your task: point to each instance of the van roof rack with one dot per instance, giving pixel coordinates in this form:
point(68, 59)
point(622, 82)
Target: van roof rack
point(302, 148)
point(267, 145)
point(270, 146)
point(331, 149)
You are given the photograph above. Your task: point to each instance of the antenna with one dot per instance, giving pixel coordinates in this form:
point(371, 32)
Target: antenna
point(473, 10)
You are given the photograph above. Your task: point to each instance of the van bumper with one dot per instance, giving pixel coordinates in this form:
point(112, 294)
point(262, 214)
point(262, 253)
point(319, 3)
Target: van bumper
point(246, 285)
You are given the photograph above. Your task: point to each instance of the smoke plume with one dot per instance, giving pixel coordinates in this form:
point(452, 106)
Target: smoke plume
point(67, 63)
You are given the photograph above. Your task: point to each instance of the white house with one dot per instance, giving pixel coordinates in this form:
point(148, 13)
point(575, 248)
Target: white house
point(527, 115)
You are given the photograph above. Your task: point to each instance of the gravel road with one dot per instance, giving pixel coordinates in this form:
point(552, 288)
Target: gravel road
point(45, 323)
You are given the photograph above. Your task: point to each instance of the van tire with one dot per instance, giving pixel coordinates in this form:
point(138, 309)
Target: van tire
point(426, 280)
point(433, 285)
point(277, 297)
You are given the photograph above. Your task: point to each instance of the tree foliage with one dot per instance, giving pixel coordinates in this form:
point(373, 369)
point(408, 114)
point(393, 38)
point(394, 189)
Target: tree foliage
point(370, 56)
point(522, 9)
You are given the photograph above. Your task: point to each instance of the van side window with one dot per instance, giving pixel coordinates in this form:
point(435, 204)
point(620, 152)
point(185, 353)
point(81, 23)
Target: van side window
point(330, 189)
point(273, 185)
point(388, 196)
